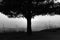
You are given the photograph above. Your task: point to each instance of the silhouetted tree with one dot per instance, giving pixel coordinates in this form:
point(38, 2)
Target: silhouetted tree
point(28, 8)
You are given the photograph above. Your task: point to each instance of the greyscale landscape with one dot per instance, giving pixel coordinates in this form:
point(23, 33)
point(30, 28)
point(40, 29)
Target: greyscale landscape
point(48, 29)
point(29, 20)
point(38, 23)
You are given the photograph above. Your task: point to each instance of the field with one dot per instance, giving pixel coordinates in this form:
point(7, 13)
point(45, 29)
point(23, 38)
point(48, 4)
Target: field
point(48, 34)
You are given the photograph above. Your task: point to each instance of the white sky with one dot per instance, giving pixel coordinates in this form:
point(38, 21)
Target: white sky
point(55, 1)
point(38, 22)
point(21, 22)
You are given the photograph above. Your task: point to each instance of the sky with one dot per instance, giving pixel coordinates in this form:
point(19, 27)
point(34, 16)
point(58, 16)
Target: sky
point(55, 1)
point(38, 22)
point(42, 22)
point(12, 22)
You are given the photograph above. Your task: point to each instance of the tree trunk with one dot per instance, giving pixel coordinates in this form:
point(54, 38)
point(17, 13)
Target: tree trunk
point(29, 31)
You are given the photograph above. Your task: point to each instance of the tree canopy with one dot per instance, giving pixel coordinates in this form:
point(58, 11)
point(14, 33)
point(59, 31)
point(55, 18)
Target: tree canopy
point(29, 7)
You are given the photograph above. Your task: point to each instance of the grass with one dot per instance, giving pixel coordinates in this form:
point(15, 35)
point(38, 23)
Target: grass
point(47, 34)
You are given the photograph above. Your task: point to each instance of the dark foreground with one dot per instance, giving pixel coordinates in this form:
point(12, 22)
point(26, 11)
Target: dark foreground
point(49, 34)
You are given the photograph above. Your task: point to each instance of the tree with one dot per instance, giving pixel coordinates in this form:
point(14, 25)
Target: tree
point(15, 7)
point(28, 8)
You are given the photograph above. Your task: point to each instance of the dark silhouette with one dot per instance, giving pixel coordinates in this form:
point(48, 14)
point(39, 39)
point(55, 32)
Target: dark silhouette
point(28, 8)
point(20, 6)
